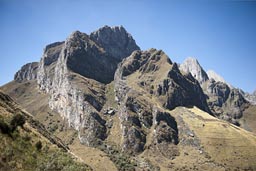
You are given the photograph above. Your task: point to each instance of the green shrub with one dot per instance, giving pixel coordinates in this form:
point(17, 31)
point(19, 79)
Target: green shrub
point(39, 145)
point(27, 137)
point(4, 127)
point(17, 120)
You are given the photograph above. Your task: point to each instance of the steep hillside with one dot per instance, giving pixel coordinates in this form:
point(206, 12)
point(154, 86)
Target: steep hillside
point(26, 145)
point(36, 103)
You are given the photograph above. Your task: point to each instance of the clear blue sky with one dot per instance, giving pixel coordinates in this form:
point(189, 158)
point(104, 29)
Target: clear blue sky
point(220, 34)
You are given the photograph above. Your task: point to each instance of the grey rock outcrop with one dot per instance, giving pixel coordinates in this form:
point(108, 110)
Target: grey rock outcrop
point(182, 90)
point(224, 102)
point(27, 72)
point(46, 69)
point(166, 129)
point(191, 65)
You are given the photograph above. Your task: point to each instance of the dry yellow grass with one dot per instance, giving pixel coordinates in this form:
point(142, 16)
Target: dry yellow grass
point(95, 158)
point(226, 143)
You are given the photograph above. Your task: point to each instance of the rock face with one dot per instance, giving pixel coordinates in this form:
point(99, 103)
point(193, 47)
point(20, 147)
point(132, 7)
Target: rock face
point(46, 69)
point(27, 72)
point(226, 103)
point(191, 65)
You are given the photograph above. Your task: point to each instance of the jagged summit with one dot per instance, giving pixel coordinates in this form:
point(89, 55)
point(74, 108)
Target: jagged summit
point(94, 56)
point(116, 40)
point(192, 65)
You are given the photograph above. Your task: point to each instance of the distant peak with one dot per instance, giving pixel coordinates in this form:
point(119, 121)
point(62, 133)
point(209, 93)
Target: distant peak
point(191, 65)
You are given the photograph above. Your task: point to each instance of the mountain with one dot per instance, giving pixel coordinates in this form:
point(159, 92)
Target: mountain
point(224, 101)
point(117, 107)
point(27, 145)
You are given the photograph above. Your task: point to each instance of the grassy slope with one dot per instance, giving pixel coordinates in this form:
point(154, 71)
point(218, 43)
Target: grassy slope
point(226, 143)
point(19, 150)
point(97, 159)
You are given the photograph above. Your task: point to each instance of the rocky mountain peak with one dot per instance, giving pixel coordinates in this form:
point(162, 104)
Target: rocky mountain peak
point(115, 40)
point(192, 65)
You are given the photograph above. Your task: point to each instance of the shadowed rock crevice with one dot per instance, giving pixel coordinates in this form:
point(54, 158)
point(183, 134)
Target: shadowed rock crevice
point(166, 128)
